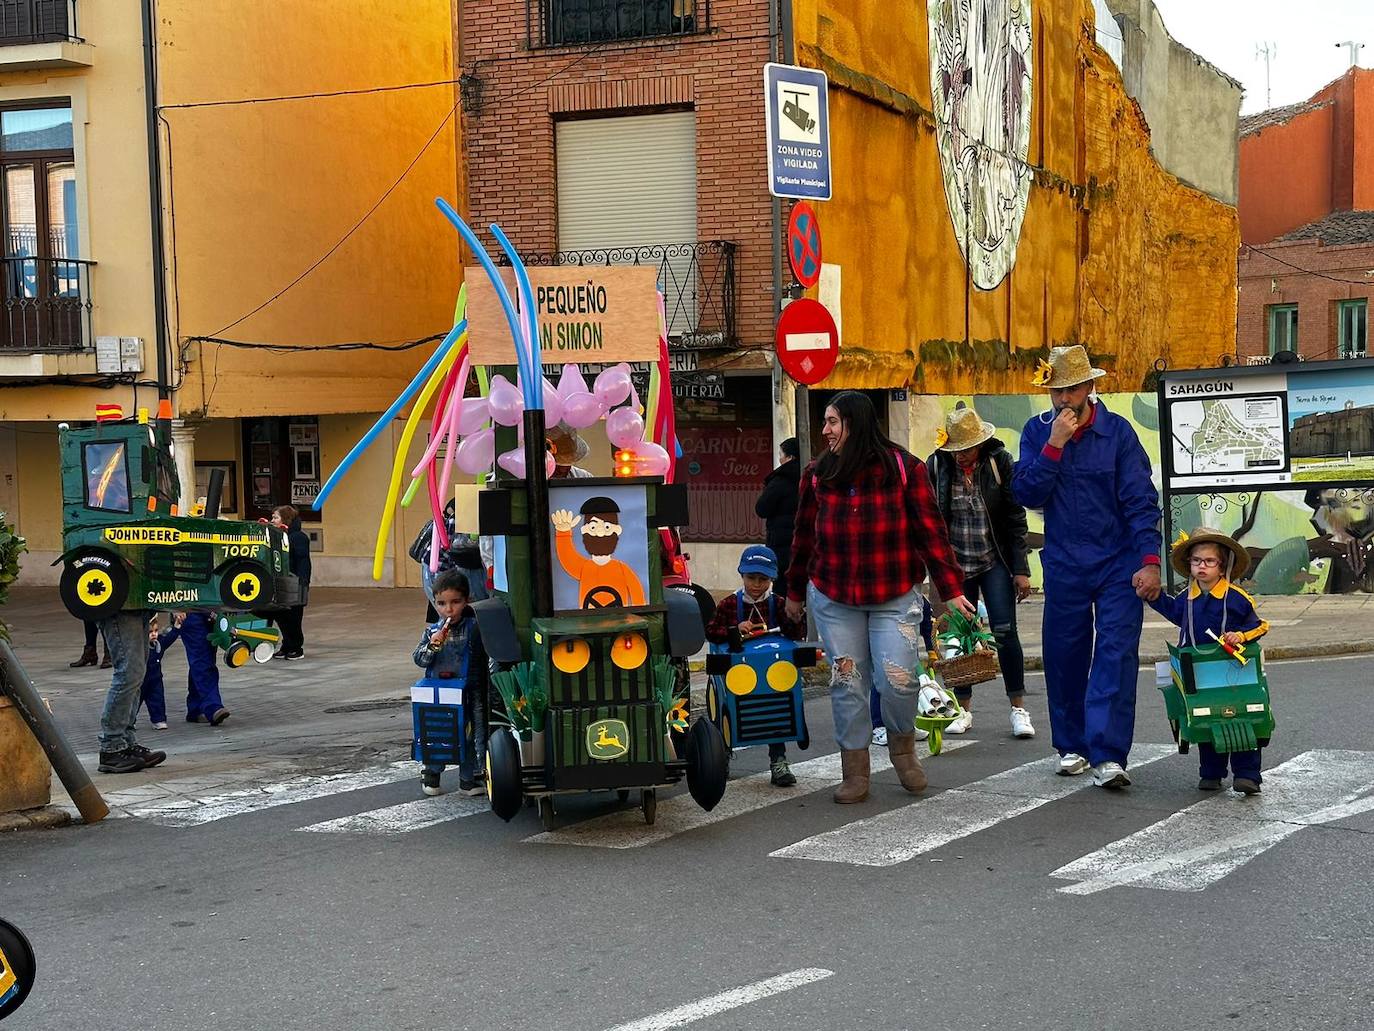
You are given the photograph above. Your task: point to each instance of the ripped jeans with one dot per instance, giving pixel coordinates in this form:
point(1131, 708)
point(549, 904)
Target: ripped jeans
point(867, 645)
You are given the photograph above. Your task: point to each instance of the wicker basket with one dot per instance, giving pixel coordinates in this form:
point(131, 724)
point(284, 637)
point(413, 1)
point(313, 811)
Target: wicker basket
point(967, 670)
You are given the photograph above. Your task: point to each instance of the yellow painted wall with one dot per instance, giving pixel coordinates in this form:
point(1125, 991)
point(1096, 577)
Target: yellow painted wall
point(1114, 253)
point(261, 191)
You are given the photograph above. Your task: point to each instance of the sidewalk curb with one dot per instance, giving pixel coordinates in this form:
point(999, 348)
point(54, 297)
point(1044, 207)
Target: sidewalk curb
point(35, 819)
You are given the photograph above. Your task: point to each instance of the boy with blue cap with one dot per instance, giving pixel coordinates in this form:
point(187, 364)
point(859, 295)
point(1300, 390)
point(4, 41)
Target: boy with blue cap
point(754, 609)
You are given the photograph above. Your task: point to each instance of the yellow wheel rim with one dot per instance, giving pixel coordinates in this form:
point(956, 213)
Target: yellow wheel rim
point(237, 654)
point(94, 587)
point(712, 705)
point(741, 679)
point(725, 732)
point(246, 586)
point(782, 676)
point(488, 775)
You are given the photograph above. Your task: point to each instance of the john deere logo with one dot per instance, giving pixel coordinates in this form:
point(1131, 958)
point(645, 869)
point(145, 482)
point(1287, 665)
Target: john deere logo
point(608, 739)
point(16, 968)
point(1230, 710)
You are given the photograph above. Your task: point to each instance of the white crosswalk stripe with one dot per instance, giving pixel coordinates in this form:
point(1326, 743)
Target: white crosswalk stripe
point(679, 814)
point(406, 817)
point(1200, 845)
point(902, 834)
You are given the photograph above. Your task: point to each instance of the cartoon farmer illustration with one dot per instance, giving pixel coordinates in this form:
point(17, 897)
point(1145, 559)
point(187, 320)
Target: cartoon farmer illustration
point(602, 581)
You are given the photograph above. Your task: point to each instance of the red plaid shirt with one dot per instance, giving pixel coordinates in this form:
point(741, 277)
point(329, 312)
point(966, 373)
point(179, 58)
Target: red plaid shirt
point(868, 542)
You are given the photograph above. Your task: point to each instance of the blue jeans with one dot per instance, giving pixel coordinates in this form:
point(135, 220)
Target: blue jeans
point(875, 700)
point(998, 591)
point(870, 646)
point(126, 637)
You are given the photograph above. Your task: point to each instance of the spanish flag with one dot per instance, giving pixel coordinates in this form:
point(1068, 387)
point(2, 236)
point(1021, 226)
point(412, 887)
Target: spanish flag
point(108, 413)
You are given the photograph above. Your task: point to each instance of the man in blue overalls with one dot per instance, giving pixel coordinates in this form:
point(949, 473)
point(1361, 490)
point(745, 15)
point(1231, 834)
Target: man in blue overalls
point(1085, 467)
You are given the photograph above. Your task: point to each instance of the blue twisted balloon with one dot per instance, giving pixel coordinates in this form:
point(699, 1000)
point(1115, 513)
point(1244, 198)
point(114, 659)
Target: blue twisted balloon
point(522, 281)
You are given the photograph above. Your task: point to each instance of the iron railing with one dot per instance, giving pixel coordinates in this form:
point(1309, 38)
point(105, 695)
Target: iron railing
point(697, 281)
point(563, 23)
point(37, 21)
point(47, 304)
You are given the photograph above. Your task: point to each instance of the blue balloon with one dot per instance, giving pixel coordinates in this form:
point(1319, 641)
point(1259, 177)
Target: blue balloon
point(535, 396)
point(489, 267)
point(414, 388)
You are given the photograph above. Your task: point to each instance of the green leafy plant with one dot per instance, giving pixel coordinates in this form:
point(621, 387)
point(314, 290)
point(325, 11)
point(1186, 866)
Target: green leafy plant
point(11, 547)
point(969, 634)
point(526, 697)
point(665, 688)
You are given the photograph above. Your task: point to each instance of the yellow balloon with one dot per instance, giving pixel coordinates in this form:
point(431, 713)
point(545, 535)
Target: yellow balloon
point(403, 451)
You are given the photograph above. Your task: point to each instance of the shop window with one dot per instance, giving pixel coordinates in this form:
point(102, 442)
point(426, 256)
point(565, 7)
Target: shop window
point(1353, 321)
point(1283, 328)
point(727, 450)
point(107, 476)
point(283, 463)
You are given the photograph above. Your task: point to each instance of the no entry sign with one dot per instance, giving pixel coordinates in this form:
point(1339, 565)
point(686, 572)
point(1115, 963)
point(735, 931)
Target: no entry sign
point(804, 244)
point(807, 341)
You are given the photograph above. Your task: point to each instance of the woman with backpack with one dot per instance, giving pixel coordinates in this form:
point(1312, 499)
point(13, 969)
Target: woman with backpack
point(867, 531)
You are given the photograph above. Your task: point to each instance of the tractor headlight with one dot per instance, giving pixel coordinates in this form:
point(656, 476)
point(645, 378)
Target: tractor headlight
point(629, 651)
point(782, 676)
point(741, 679)
point(571, 656)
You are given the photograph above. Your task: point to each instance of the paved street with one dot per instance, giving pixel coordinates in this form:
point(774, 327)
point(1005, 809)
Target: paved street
point(311, 886)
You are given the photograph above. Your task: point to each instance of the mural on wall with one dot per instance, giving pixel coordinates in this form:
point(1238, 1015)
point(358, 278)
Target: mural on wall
point(1303, 541)
point(980, 81)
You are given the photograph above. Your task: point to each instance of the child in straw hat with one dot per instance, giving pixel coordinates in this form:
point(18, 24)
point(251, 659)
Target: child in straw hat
point(1211, 560)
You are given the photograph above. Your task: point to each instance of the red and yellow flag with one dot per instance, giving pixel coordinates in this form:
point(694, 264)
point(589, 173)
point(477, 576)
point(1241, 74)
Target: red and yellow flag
point(108, 413)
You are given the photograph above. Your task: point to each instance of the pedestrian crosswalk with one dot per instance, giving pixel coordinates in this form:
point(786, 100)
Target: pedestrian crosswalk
point(1186, 850)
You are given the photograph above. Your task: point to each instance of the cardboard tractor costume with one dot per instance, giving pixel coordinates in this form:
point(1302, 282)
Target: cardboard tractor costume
point(124, 546)
point(1216, 699)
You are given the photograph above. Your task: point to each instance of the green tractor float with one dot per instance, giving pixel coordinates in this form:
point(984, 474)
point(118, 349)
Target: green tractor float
point(125, 547)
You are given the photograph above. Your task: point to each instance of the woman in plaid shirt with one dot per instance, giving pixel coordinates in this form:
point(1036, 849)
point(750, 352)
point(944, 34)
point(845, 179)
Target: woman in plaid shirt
point(867, 530)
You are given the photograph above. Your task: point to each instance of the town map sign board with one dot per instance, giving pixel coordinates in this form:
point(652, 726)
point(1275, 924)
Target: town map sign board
point(602, 314)
point(1244, 429)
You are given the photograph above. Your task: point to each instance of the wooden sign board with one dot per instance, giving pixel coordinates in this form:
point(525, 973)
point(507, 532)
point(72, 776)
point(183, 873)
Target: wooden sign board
point(601, 313)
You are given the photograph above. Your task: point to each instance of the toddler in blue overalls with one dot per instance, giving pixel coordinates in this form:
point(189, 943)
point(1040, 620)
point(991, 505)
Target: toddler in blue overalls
point(451, 649)
point(1211, 560)
point(151, 693)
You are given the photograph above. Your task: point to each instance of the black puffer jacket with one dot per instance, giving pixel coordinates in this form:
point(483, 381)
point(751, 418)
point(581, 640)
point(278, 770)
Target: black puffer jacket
point(993, 473)
point(777, 505)
point(299, 544)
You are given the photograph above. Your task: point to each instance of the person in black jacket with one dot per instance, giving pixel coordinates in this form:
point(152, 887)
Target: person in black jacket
point(287, 519)
point(777, 505)
point(971, 472)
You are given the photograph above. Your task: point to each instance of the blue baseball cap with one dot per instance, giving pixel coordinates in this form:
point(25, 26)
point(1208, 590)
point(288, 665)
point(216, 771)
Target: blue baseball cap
point(759, 559)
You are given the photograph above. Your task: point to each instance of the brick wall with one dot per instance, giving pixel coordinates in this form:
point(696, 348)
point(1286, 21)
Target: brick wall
point(1266, 278)
point(509, 138)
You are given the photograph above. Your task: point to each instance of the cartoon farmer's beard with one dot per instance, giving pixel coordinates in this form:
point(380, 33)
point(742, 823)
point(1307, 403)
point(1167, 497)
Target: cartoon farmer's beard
point(600, 537)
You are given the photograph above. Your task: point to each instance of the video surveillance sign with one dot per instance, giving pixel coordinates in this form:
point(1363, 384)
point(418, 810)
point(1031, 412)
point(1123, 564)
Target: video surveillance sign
point(798, 132)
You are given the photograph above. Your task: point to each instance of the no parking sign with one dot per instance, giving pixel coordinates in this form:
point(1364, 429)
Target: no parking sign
point(804, 244)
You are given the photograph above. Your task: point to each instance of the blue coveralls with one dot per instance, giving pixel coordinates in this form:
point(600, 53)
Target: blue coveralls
point(1101, 525)
point(202, 679)
point(151, 693)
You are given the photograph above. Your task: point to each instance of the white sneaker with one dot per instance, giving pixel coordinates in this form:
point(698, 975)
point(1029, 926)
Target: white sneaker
point(880, 736)
point(921, 735)
point(1111, 775)
point(961, 723)
point(1071, 764)
point(1021, 723)
point(160, 725)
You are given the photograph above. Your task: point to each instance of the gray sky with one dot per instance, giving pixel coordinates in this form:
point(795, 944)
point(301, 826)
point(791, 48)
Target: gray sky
point(1226, 32)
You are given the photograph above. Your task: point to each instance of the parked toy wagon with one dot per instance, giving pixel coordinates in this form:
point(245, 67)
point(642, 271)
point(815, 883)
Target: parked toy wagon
point(590, 687)
point(126, 547)
point(1212, 698)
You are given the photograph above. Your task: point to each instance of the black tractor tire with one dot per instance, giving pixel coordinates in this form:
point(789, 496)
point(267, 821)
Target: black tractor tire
point(503, 775)
point(19, 957)
point(245, 586)
point(94, 584)
point(708, 764)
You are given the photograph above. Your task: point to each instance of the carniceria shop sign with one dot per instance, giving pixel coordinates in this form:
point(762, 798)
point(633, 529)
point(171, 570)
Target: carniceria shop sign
point(603, 314)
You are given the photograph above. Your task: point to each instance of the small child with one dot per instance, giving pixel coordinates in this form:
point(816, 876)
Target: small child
point(452, 649)
point(151, 693)
point(755, 609)
point(1212, 560)
point(203, 702)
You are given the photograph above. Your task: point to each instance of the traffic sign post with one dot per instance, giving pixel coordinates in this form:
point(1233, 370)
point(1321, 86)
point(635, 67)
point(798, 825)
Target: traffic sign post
point(804, 244)
point(798, 132)
point(807, 342)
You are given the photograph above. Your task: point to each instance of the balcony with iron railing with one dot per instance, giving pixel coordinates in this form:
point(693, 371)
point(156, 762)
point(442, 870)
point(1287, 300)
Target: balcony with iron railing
point(41, 34)
point(563, 23)
point(45, 305)
point(697, 281)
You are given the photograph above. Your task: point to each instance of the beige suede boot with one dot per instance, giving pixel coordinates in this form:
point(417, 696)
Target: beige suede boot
point(854, 767)
point(901, 748)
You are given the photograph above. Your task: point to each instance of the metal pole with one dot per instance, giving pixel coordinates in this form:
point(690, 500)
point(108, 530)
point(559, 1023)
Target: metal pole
point(155, 200)
point(537, 492)
point(15, 682)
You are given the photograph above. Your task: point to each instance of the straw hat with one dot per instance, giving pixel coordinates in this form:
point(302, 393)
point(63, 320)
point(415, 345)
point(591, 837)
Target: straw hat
point(1178, 554)
point(1067, 367)
point(567, 445)
point(963, 429)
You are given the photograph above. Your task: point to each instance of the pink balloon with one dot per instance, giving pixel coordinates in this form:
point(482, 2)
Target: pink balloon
point(581, 410)
point(472, 415)
point(613, 385)
point(553, 404)
point(570, 382)
point(513, 462)
point(650, 459)
point(504, 401)
point(475, 452)
point(624, 427)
